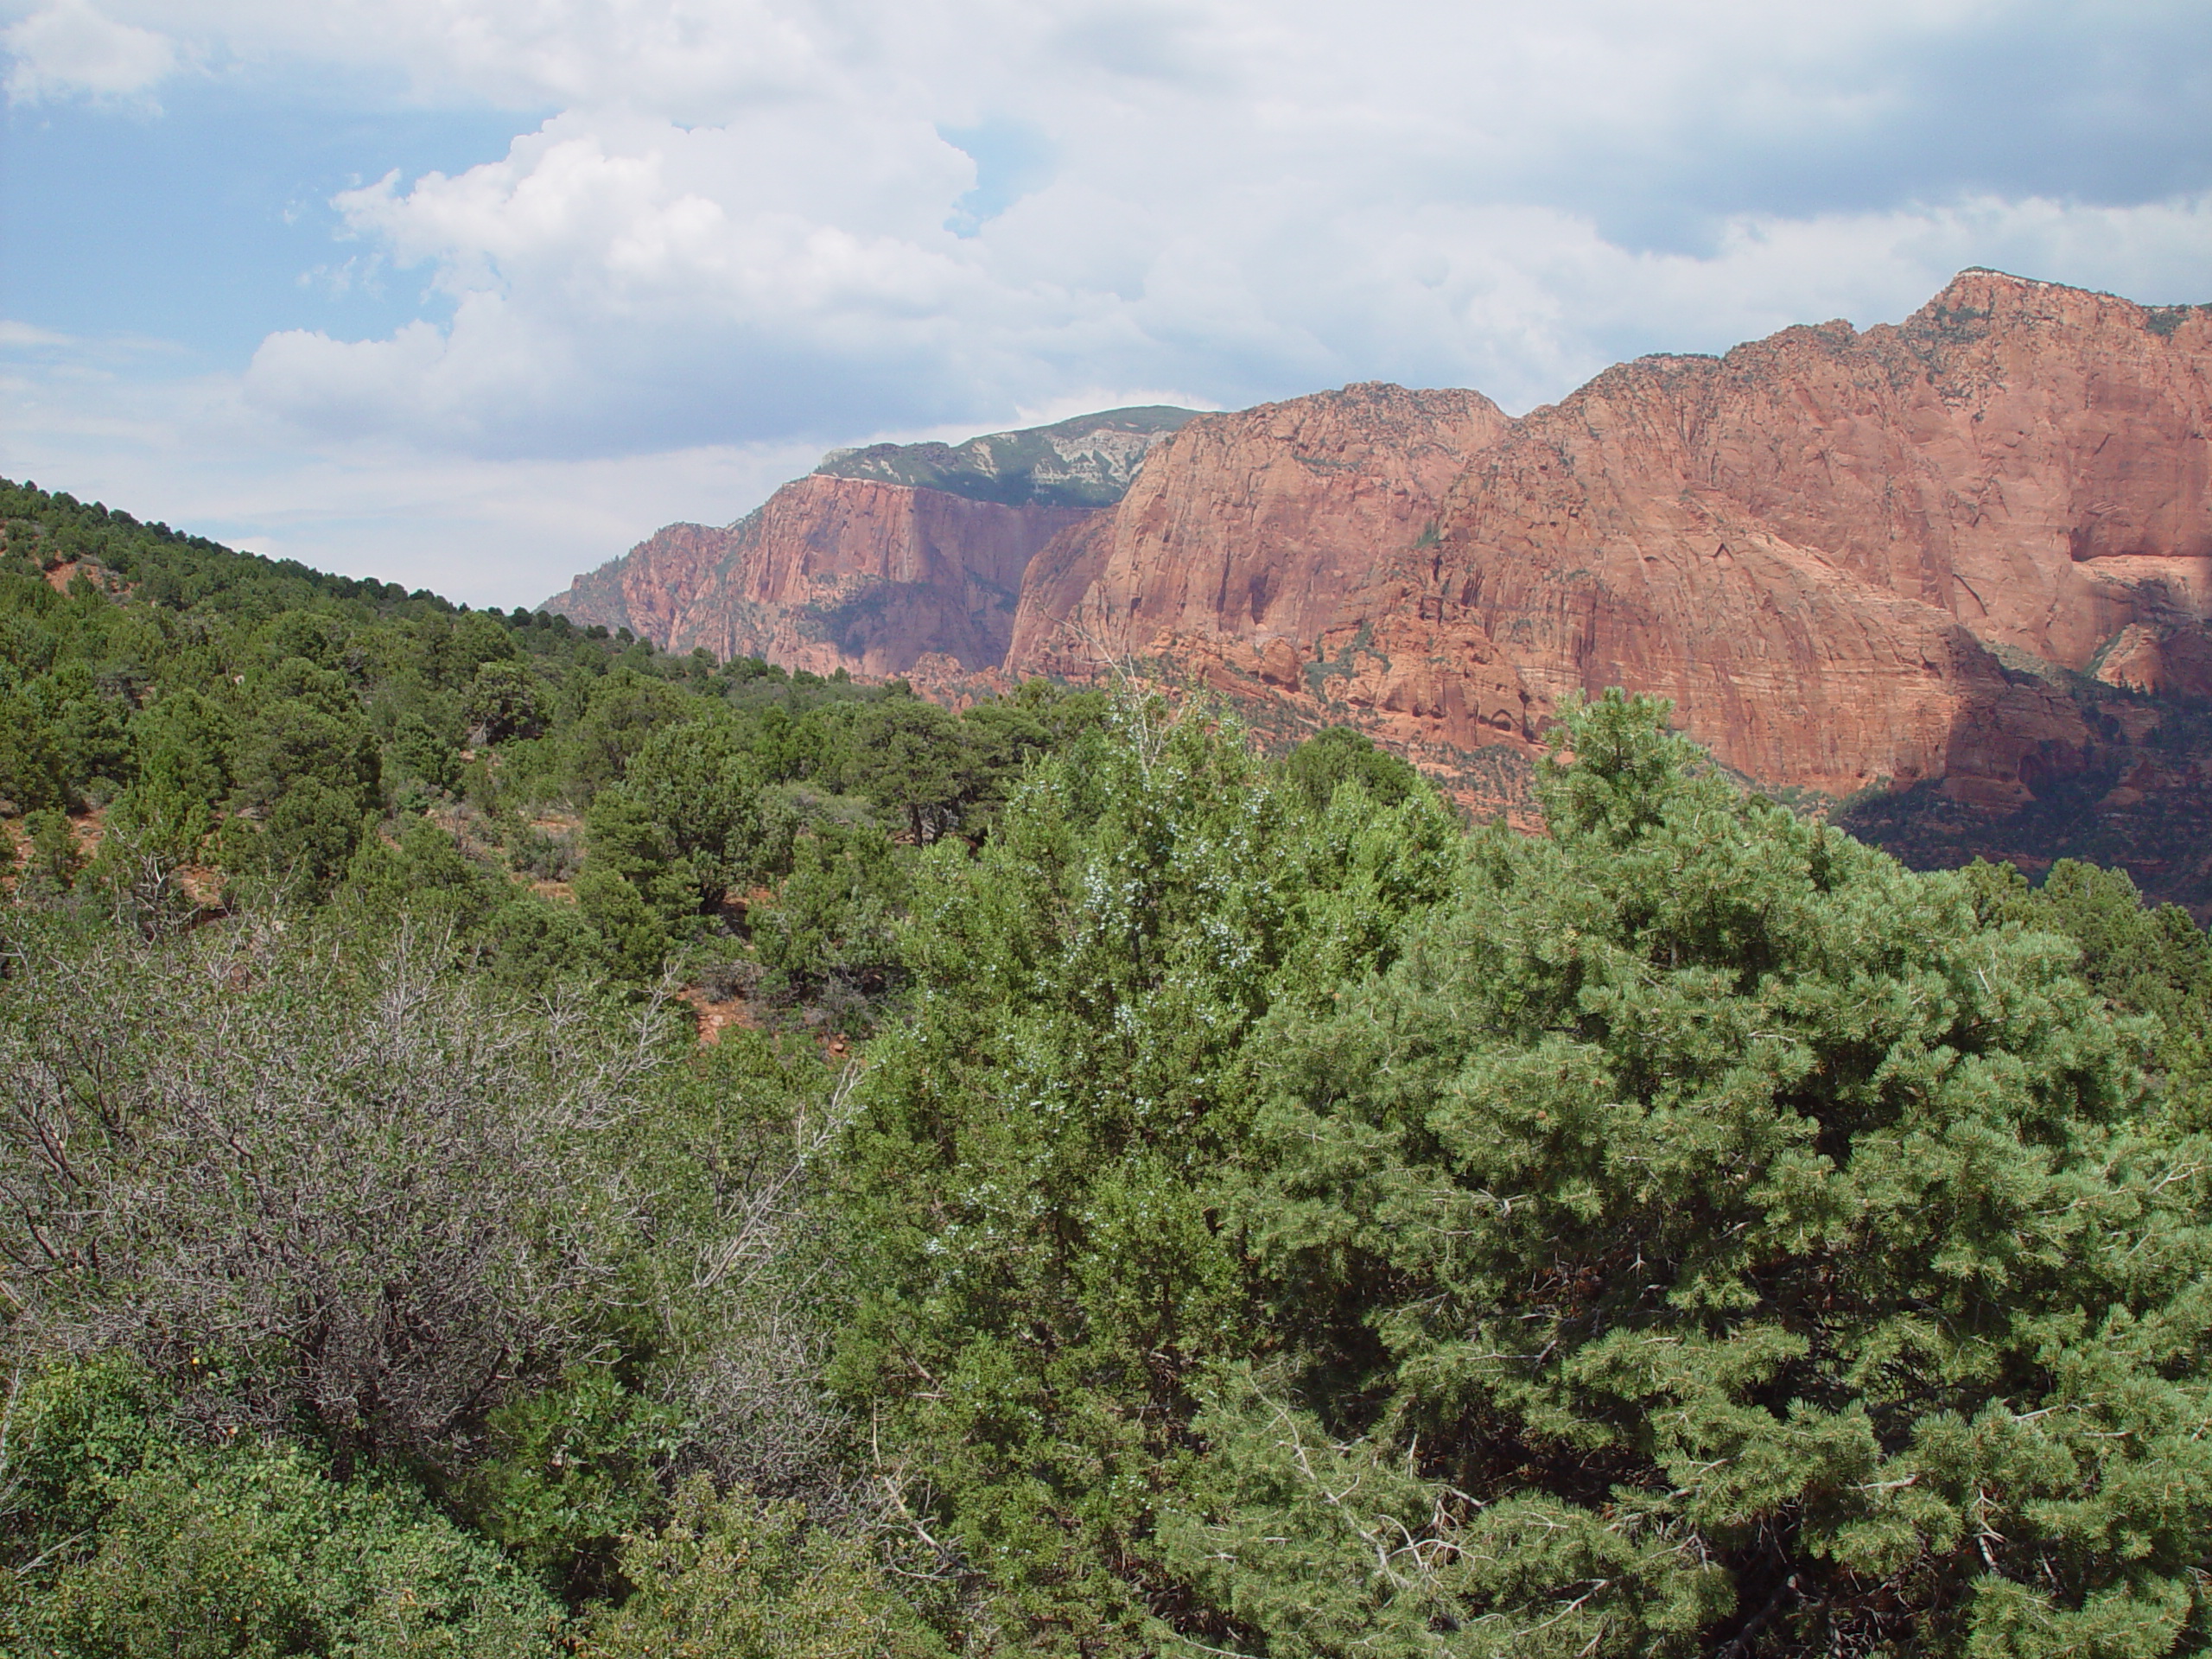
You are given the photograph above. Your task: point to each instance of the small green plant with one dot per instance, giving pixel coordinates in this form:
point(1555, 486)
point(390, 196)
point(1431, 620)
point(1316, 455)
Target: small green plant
point(54, 856)
point(542, 854)
point(2164, 319)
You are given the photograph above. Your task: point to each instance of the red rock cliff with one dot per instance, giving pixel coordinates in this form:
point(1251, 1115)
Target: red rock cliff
point(1254, 531)
point(645, 590)
point(872, 577)
point(832, 573)
point(1846, 557)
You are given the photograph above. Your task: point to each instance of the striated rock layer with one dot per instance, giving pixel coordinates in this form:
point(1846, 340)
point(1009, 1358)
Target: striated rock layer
point(1848, 557)
point(1970, 553)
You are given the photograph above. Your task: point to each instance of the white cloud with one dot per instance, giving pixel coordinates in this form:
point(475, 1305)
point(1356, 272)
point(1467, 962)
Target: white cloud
point(70, 50)
point(621, 284)
point(483, 531)
point(756, 227)
point(753, 221)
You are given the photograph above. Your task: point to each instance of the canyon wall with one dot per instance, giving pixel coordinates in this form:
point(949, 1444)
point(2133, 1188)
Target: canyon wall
point(1848, 557)
point(871, 577)
point(1254, 531)
point(1971, 552)
point(885, 560)
point(650, 586)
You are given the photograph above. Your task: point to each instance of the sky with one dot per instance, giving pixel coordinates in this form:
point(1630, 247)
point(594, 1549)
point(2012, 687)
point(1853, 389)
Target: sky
point(474, 294)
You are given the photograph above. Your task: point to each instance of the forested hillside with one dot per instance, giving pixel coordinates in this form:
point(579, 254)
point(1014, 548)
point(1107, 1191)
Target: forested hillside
point(514, 1143)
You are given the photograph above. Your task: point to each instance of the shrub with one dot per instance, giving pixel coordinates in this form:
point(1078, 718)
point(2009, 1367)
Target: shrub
point(309, 1178)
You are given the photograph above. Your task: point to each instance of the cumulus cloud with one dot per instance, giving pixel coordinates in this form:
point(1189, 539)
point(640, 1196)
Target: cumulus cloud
point(486, 532)
point(622, 283)
point(754, 226)
point(787, 217)
point(68, 49)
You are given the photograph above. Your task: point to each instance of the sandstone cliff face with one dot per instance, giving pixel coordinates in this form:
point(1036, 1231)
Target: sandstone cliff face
point(645, 590)
point(1254, 533)
point(889, 560)
point(871, 577)
point(832, 573)
point(1847, 558)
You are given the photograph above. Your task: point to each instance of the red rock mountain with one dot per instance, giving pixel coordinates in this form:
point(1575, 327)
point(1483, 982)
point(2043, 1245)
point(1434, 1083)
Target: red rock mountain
point(885, 560)
point(1254, 532)
point(1846, 557)
point(832, 573)
point(1971, 551)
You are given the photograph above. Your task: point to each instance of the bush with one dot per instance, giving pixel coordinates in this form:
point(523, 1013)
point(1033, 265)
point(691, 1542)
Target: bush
point(52, 857)
point(130, 1539)
point(305, 842)
point(308, 1178)
point(542, 856)
point(504, 701)
point(1709, 1233)
point(834, 921)
point(733, 1578)
point(1339, 754)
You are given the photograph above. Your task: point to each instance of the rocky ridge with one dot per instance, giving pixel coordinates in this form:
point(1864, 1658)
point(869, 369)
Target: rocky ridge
point(1965, 560)
point(1087, 461)
point(893, 559)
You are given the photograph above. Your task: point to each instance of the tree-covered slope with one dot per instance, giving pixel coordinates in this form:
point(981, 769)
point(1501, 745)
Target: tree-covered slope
point(514, 1143)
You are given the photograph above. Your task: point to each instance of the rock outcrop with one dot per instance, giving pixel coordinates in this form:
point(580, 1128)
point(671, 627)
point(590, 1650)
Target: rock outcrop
point(1848, 557)
point(884, 560)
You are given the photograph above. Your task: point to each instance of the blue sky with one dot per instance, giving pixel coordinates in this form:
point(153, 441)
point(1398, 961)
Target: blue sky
point(208, 224)
point(474, 293)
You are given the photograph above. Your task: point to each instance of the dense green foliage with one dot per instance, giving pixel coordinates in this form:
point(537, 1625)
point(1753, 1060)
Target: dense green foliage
point(296, 732)
point(142, 1540)
point(1735, 1232)
point(1145, 1197)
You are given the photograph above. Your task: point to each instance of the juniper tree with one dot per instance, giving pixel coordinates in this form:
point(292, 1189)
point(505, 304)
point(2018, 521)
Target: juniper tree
point(1709, 1237)
point(1048, 1150)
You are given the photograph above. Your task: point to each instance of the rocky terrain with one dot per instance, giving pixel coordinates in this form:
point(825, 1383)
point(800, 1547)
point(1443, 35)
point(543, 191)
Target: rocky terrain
point(886, 560)
point(1954, 572)
point(1084, 462)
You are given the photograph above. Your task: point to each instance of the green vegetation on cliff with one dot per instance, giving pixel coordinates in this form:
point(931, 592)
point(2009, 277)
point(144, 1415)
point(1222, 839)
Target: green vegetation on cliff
point(1087, 461)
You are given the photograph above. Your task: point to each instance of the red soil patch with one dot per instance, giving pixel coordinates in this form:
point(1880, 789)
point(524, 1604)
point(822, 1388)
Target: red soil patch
point(714, 1017)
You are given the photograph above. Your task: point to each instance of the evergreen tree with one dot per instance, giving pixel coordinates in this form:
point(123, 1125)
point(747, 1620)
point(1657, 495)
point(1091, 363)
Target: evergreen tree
point(1709, 1236)
point(1051, 1147)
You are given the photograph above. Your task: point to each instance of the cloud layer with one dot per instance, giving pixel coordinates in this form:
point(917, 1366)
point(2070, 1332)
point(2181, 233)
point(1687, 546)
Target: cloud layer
point(772, 224)
point(70, 50)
